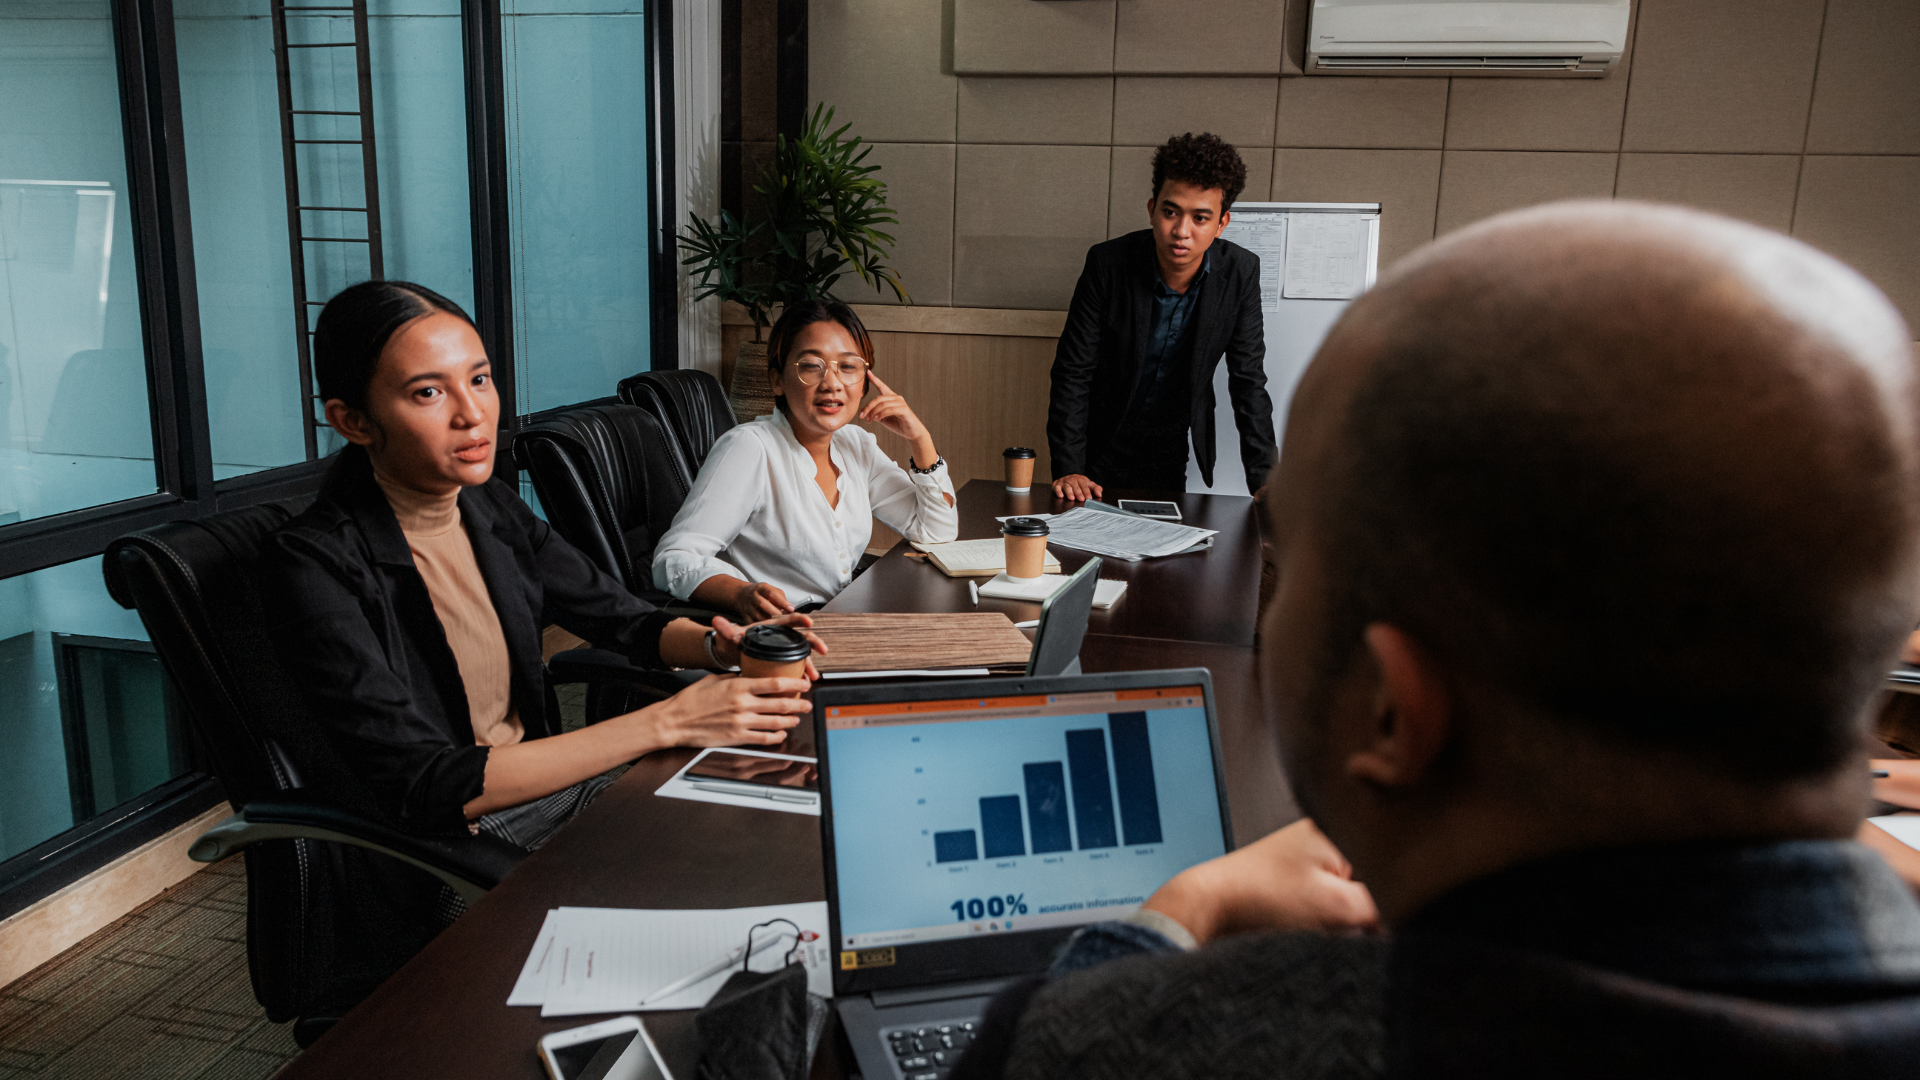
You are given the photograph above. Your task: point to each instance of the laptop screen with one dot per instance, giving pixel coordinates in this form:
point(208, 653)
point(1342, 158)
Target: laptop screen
point(959, 819)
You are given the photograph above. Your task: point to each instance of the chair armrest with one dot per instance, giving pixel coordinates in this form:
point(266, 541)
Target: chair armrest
point(605, 666)
point(469, 865)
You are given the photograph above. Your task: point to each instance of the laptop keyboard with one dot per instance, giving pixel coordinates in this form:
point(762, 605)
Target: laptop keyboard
point(929, 1051)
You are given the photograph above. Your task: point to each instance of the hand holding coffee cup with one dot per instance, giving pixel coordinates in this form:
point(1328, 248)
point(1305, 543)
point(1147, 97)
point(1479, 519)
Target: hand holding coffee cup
point(1026, 546)
point(774, 652)
point(1020, 461)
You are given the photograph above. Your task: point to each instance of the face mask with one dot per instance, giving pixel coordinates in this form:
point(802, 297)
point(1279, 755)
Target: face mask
point(761, 1025)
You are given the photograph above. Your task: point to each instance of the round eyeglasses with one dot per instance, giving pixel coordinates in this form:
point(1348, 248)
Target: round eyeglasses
point(812, 371)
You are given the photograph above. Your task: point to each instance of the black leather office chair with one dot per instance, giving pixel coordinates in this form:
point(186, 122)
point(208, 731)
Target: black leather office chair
point(337, 898)
point(610, 478)
point(690, 403)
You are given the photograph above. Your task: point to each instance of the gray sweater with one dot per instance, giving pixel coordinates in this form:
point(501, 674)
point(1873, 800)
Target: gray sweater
point(1791, 959)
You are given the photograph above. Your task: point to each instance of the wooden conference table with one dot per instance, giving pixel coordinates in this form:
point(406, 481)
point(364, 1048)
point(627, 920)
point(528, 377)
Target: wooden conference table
point(444, 1013)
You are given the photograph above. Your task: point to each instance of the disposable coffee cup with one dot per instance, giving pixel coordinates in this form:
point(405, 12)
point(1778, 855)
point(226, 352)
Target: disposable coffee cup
point(775, 652)
point(1026, 541)
point(1019, 469)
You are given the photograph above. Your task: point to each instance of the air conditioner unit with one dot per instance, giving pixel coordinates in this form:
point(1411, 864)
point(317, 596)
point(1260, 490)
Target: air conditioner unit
point(1563, 38)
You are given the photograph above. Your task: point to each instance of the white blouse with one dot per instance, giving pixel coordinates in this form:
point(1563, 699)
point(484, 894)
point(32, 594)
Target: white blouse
point(757, 513)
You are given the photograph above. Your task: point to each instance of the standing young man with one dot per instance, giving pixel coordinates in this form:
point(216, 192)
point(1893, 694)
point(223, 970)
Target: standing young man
point(1152, 314)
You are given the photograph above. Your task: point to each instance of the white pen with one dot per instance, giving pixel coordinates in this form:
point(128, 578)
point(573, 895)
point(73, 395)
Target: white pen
point(755, 791)
point(715, 968)
point(974, 590)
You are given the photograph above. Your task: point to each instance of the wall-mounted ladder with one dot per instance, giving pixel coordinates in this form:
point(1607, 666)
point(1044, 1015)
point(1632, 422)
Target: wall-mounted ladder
point(290, 143)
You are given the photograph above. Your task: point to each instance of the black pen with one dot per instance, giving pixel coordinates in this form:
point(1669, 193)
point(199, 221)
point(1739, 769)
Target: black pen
point(1878, 774)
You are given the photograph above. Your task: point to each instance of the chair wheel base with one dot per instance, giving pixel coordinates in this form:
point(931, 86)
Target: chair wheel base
point(308, 1029)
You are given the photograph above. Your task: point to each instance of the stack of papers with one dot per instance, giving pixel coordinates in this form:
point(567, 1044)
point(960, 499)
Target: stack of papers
point(603, 960)
point(1121, 535)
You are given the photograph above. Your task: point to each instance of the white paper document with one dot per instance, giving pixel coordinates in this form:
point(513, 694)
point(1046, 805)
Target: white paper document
point(531, 987)
point(1326, 256)
point(790, 801)
point(1123, 536)
point(1902, 827)
point(602, 960)
point(1264, 234)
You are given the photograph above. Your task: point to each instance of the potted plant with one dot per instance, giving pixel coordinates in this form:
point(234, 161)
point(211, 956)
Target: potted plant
point(821, 211)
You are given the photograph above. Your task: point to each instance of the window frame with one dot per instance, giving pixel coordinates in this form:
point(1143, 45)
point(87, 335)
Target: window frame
point(149, 86)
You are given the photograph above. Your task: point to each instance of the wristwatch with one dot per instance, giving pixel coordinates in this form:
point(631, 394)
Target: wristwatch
point(713, 658)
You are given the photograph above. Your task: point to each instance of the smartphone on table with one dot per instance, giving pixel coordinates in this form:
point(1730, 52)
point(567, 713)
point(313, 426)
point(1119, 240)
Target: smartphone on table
point(1152, 508)
point(616, 1049)
point(757, 775)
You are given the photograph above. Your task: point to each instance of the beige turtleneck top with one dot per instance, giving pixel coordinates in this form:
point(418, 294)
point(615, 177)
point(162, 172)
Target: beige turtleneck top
point(444, 556)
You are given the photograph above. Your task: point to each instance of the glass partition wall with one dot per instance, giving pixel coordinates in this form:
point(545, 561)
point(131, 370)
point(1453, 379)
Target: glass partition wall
point(182, 184)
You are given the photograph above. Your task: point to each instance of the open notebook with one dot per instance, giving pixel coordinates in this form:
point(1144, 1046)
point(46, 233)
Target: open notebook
point(975, 558)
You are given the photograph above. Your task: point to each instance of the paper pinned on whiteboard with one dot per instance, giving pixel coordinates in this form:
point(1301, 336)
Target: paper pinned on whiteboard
point(1264, 234)
point(1326, 256)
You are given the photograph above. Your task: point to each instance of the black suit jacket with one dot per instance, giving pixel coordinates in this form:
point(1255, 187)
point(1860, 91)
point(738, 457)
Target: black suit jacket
point(1097, 367)
point(351, 620)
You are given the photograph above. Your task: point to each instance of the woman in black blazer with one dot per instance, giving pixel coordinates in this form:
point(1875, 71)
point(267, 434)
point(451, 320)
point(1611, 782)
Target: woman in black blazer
point(401, 639)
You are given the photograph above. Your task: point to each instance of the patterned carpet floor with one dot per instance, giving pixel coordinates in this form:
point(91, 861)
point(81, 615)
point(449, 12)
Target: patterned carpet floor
point(161, 994)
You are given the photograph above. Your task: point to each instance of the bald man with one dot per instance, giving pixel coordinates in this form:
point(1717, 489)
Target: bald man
point(1598, 527)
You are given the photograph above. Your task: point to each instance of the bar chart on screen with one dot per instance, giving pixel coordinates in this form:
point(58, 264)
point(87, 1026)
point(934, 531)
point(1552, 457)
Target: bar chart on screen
point(1086, 821)
point(1062, 816)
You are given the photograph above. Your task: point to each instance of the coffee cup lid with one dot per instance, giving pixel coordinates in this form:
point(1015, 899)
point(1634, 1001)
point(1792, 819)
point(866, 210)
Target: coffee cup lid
point(1017, 452)
point(1024, 526)
point(776, 644)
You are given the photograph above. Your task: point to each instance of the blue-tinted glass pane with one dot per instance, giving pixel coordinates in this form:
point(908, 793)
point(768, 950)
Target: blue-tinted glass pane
point(84, 711)
point(577, 186)
point(230, 110)
point(75, 428)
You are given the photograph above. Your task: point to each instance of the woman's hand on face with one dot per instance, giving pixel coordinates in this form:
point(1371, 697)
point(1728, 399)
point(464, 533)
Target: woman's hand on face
point(757, 600)
point(727, 710)
point(891, 411)
point(727, 646)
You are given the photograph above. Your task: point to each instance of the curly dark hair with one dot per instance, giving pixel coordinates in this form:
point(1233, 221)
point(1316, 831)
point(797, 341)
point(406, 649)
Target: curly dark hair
point(1205, 160)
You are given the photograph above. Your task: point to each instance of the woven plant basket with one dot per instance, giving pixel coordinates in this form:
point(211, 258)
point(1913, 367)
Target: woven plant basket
point(750, 395)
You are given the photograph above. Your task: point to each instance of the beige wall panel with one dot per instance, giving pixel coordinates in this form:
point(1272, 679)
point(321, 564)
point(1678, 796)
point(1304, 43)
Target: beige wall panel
point(1722, 76)
point(919, 179)
point(977, 395)
point(1476, 184)
point(1182, 37)
point(1358, 111)
point(1864, 210)
point(1866, 98)
point(1133, 184)
point(1406, 184)
point(1024, 217)
point(1538, 114)
point(1148, 112)
point(1021, 37)
point(1757, 188)
point(878, 63)
point(1053, 111)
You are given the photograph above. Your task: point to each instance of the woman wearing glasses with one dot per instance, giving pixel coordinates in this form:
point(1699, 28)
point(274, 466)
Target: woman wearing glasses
point(784, 507)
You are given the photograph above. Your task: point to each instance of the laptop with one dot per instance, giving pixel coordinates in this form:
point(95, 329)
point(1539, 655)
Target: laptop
point(969, 828)
point(1063, 624)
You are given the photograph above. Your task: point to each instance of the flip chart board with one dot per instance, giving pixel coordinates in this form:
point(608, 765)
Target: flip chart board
point(1314, 259)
